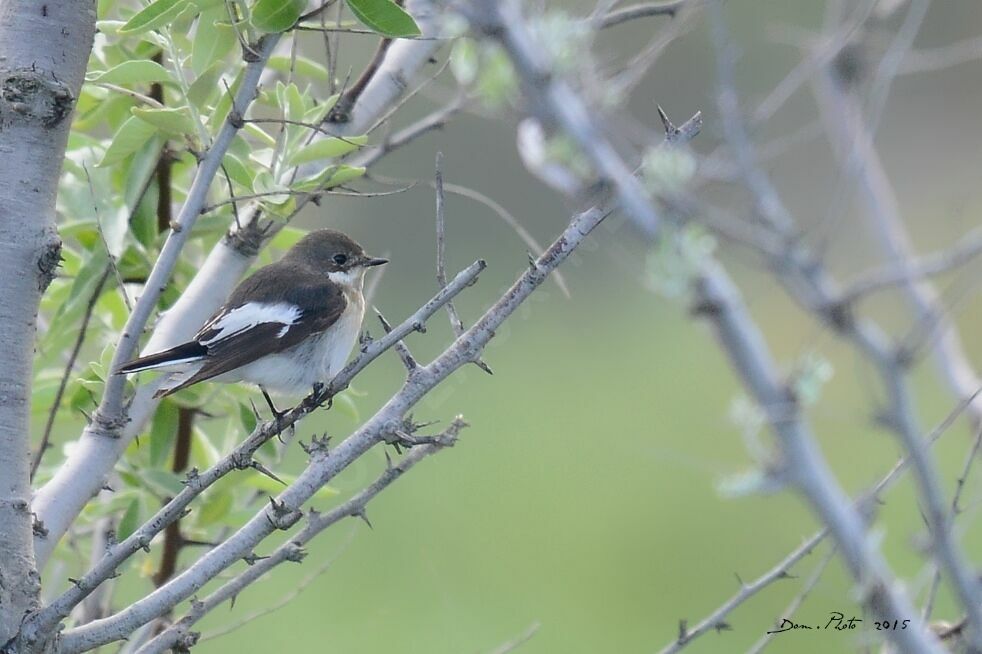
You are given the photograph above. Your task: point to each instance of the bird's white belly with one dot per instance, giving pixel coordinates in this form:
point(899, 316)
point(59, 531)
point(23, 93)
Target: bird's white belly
point(316, 360)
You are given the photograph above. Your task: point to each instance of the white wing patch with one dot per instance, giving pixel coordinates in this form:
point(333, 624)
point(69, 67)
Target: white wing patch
point(246, 317)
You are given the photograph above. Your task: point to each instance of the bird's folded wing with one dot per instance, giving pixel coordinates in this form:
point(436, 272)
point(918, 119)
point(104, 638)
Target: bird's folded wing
point(253, 325)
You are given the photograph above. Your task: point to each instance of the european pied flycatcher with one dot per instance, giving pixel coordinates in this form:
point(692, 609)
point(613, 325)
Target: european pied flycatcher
point(287, 327)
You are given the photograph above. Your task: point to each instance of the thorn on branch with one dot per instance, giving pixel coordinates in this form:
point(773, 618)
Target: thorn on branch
point(252, 558)
point(318, 446)
point(408, 360)
point(364, 340)
point(190, 477)
point(361, 513)
point(483, 366)
point(282, 516)
point(260, 468)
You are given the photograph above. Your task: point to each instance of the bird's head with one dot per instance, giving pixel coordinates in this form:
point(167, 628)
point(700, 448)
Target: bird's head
point(335, 253)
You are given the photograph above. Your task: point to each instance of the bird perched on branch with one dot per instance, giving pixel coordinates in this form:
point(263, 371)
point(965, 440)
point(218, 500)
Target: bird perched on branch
point(286, 328)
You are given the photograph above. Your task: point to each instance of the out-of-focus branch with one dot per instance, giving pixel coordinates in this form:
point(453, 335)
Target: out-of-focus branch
point(518, 641)
point(955, 510)
point(555, 104)
point(432, 121)
point(782, 569)
point(868, 339)
point(932, 59)
point(853, 143)
point(966, 250)
point(179, 633)
point(626, 14)
point(239, 459)
point(384, 426)
point(802, 463)
point(846, 127)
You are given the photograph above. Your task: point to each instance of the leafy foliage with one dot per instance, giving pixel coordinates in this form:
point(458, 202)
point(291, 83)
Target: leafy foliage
point(159, 88)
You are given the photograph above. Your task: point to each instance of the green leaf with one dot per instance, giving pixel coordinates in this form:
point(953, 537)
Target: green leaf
point(247, 417)
point(131, 72)
point(265, 484)
point(213, 39)
point(273, 192)
point(287, 237)
point(316, 113)
point(203, 451)
point(206, 86)
point(302, 66)
point(276, 15)
point(82, 287)
point(345, 404)
point(176, 121)
point(130, 520)
point(329, 178)
point(162, 482)
point(214, 508)
point(130, 137)
point(156, 14)
point(237, 171)
point(163, 429)
point(261, 134)
point(385, 17)
point(328, 148)
point(204, 5)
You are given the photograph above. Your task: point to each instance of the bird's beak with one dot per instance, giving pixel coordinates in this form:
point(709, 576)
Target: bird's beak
point(373, 261)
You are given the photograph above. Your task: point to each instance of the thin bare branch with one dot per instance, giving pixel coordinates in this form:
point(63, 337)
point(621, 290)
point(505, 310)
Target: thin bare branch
point(717, 619)
point(67, 373)
point(292, 550)
point(797, 601)
point(966, 250)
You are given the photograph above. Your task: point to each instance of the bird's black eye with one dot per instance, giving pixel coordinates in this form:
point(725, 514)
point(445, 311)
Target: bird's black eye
point(340, 259)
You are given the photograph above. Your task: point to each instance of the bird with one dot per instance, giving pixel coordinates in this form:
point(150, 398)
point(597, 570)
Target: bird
point(287, 328)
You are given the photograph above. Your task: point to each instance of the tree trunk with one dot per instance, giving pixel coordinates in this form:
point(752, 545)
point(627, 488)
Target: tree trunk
point(44, 49)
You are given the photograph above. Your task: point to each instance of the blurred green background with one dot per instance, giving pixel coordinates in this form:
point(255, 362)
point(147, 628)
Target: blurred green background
point(585, 496)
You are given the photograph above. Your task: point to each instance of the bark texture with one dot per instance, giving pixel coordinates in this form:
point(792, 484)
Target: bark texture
point(44, 49)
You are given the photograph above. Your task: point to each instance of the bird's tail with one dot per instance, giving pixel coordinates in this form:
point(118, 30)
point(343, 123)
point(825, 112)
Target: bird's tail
point(185, 353)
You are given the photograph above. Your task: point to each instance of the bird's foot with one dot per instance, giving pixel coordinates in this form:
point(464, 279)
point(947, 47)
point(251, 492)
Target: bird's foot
point(316, 389)
point(277, 414)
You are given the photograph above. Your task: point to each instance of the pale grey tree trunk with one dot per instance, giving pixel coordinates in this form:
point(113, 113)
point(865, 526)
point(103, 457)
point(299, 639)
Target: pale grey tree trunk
point(44, 48)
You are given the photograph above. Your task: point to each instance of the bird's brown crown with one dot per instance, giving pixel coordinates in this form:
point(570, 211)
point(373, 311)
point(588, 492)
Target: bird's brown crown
point(327, 250)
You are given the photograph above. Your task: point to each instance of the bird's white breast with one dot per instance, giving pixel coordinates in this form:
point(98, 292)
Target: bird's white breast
point(315, 360)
